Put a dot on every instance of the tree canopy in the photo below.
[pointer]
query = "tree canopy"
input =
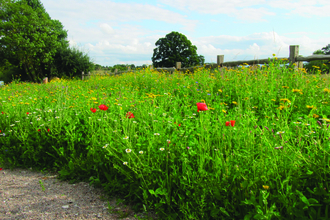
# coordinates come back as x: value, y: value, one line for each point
x: 40, y: 46
x: 28, y: 36
x: 175, y: 47
x: 319, y: 65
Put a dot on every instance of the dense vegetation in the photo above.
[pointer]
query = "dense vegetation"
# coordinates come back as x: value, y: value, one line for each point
x: 237, y: 144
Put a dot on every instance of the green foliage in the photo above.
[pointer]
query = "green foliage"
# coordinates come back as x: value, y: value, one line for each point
x: 98, y: 67
x: 10, y: 73
x: 34, y: 52
x: 321, y: 66
x: 196, y: 167
x: 70, y: 62
x: 30, y: 38
x: 119, y: 67
x: 175, y: 47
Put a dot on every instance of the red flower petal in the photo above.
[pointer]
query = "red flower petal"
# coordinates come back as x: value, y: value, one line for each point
x: 201, y: 107
x: 130, y: 115
x: 103, y: 107
x: 231, y: 123
x: 93, y: 110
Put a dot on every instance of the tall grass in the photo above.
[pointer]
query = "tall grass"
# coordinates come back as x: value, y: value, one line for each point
x: 210, y: 145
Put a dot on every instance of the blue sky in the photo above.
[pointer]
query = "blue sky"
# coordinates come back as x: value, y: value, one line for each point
x: 125, y: 32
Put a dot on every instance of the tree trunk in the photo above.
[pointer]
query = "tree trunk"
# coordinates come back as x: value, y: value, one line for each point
x: 27, y: 72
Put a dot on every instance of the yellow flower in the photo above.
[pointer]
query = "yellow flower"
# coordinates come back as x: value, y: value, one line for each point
x: 285, y: 100
x: 297, y: 90
x: 310, y: 107
x: 326, y: 90
x: 265, y: 187
x: 315, y: 116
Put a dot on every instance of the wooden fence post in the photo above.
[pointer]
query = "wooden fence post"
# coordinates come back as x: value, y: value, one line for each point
x: 151, y: 67
x: 116, y: 70
x: 82, y: 76
x: 220, y: 59
x: 294, y: 51
x: 178, y: 66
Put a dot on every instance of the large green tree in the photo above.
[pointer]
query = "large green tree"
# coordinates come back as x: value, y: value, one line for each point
x: 70, y: 62
x: 28, y: 36
x: 67, y: 62
x: 322, y: 65
x: 175, y: 47
x: 326, y: 49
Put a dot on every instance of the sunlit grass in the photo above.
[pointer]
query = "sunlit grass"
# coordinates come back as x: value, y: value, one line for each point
x: 238, y: 133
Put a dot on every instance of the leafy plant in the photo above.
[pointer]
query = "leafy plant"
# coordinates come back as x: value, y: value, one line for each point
x: 31, y: 42
x: 175, y: 47
x: 242, y: 144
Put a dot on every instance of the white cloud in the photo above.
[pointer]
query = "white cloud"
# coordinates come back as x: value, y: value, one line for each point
x: 250, y: 10
x: 115, y: 32
x: 264, y: 45
x: 72, y: 43
x: 322, y: 11
x: 106, y: 29
x: 305, y: 8
x: 240, y: 9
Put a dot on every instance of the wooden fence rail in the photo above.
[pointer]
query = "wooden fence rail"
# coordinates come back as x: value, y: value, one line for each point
x: 116, y: 72
x: 293, y: 58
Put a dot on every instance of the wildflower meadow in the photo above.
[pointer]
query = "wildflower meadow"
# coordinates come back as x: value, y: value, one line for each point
x: 213, y: 144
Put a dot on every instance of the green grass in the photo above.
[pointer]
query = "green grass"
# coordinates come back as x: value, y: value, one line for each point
x: 272, y: 164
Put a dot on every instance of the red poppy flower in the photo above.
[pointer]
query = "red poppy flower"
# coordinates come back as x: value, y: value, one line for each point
x: 130, y: 115
x: 232, y: 123
x: 93, y: 110
x: 103, y: 107
x: 201, y: 107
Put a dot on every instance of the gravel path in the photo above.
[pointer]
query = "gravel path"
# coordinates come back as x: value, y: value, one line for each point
x: 22, y: 197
